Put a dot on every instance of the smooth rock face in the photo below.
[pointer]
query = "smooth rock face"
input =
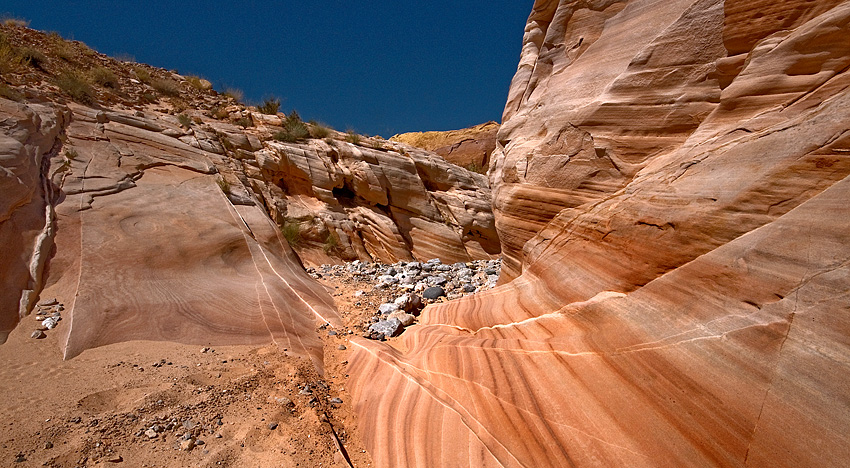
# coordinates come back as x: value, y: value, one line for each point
x: 147, y: 247
x: 672, y: 186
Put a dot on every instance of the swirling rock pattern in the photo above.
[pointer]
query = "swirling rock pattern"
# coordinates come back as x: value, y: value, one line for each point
x: 680, y: 253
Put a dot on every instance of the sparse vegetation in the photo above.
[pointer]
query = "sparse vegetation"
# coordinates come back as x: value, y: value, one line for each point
x: 291, y: 231
x: 104, y: 77
x: 293, y: 129
x: 184, y: 120
x: 197, y: 82
x: 244, y: 122
x: 352, y: 137
x: 9, y: 93
x: 330, y: 141
x: 10, y: 58
x: 219, y: 113
x: 269, y: 106
x: 71, y: 154
x: 125, y: 57
x: 166, y: 87
x: 143, y: 75
x: 331, y: 244
x: 16, y: 22
x: 60, y: 47
x: 149, y: 98
x: 235, y: 94
x: 474, y: 167
x: 319, y: 130
x: 76, y: 86
x: 223, y: 184
x: 33, y: 57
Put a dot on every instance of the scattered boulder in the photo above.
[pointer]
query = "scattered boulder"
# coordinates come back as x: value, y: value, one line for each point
x: 187, y: 445
x: 37, y: 334
x: 434, y: 292
x: 388, y: 328
x: 404, y: 318
x: 388, y: 308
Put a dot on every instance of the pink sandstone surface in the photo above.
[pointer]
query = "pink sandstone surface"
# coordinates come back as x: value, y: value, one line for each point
x: 670, y: 190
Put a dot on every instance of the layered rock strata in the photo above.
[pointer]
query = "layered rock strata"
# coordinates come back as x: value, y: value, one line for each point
x: 670, y: 190
x: 469, y: 147
x: 376, y: 201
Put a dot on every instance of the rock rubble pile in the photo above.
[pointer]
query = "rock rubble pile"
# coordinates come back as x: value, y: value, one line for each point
x: 49, y: 314
x: 410, y: 286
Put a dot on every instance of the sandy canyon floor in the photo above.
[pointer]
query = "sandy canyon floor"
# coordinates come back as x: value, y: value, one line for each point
x: 241, y: 406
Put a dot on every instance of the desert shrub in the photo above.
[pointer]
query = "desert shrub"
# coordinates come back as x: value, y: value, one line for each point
x: 269, y: 106
x: 223, y: 184
x: 76, y: 86
x: 71, y: 154
x: 9, y: 93
x: 104, y: 77
x: 219, y: 113
x: 330, y: 141
x: 197, y: 82
x: 244, y: 122
x: 149, y: 98
x: 124, y: 57
x: 291, y: 231
x: 331, y: 244
x: 318, y: 130
x: 352, y: 137
x: 293, y: 130
x: 60, y: 47
x: 10, y: 59
x: 87, y: 51
x: 143, y: 75
x: 184, y: 120
x: 15, y: 22
x: 167, y: 87
x: 474, y: 167
x: 33, y: 57
x: 234, y: 93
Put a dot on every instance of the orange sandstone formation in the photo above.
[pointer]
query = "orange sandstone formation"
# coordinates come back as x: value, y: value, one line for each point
x: 671, y: 194
x: 468, y: 147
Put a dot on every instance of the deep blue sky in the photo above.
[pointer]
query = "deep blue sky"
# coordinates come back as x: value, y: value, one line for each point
x: 379, y: 67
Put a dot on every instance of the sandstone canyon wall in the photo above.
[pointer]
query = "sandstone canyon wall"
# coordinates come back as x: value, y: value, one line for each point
x: 670, y: 189
x: 155, y: 209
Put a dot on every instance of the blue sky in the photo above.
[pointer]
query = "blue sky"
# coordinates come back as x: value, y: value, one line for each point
x: 380, y: 67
